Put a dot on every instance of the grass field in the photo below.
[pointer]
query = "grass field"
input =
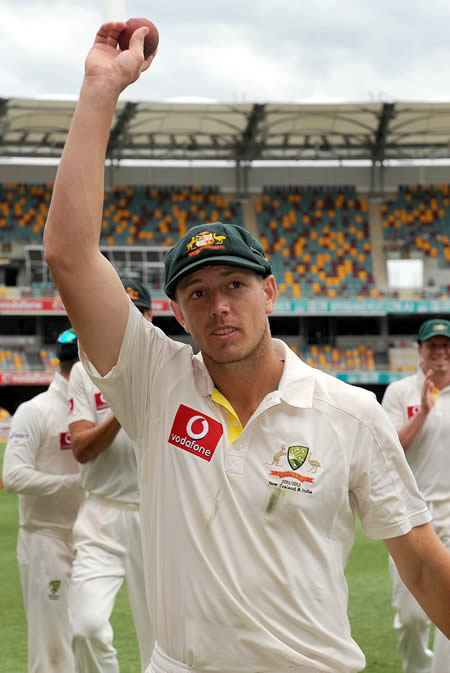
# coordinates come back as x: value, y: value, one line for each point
x: 369, y: 606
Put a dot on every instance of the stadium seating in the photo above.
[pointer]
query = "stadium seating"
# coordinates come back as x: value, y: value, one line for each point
x: 132, y: 215
x: 333, y: 359
x: 403, y: 358
x: 417, y: 224
x: 23, y: 211
x: 49, y: 360
x: 159, y: 216
x: 317, y: 237
x: 14, y: 360
x: 24, y: 360
x: 318, y: 241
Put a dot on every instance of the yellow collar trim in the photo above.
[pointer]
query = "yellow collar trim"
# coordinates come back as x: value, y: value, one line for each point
x: 234, y: 424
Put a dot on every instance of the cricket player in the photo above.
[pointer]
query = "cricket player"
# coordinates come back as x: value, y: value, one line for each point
x: 419, y: 407
x: 251, y: 464
x: 107, y: 532
x: 40, y: 467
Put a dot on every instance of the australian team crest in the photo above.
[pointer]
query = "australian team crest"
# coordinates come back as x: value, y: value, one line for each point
x: 297, y: 455
x: 206, y: 239
x: 53, y: 588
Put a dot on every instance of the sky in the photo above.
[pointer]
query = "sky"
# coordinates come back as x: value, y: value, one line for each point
x: 239, y: 51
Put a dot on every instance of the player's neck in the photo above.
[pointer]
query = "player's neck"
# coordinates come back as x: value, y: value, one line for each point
x: 441, y: 381
x: 245, y: 385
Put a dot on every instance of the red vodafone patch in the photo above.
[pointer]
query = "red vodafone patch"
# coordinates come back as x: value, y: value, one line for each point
x: 412, y: 411
x: 64, y: 441
x: 194, y: 432
x: 100, y: 402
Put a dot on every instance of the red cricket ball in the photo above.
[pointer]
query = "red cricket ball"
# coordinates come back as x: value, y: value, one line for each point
x: 151, y: 39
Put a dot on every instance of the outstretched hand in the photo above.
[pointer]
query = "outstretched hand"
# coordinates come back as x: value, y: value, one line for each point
x: 428, y: 397
x: 118, y: 68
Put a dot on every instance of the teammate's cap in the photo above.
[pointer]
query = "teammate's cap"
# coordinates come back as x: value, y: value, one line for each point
x: 435, y: 327
x: 214, y: 243
x: 138, y: 294
x: 67, y: 346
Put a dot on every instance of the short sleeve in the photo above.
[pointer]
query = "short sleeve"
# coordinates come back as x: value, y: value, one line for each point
x: 393, y: 405
x: 384, y: 490
x: 131, y: 384
x: 24, y: 439
x: 80, y: 403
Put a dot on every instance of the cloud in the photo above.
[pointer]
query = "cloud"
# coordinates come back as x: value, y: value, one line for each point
x: 43, y: 46
x: 231, y: 51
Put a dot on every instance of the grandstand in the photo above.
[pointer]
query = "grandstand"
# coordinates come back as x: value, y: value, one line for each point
x: 328, y: 230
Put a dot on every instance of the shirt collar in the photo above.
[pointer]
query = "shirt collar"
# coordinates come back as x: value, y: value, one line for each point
x: 203, y: 381
x: 60, y: 385
x: 296, y: 385
x: 297, y: 382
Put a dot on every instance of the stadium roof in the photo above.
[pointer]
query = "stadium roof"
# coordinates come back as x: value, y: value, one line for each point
x: 245, y: 132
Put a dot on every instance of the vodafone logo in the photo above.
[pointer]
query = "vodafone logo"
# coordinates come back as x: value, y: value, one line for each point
x: 70, y: 406
x: 196, y: 433
x: 204, y: 431
x: 64, y: 441
x: 100, y: 402
x: 412, y: 411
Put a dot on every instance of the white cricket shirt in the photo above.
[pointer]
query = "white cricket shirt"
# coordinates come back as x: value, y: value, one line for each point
x: 111, y: 474
x: 245, y: 543
x: 429, y: 454
x: 39, y: 464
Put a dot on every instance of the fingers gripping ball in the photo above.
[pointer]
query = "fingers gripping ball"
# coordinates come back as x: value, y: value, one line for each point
x: 151, y: 39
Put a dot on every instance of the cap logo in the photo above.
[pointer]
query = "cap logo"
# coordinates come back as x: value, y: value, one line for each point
x: 439, y: 328
x: 203, y: 241
x: 132, y: 293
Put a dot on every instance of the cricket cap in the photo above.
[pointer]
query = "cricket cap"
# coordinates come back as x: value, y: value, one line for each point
x: 67, y: 346
x: 138, y: 294
x: 215, y: 243
x: 435, y: 327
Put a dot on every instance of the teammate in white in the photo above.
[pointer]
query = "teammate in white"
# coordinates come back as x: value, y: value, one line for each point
x: 107, y: 532
x: 419, y: 407
x: 246, y: 529
x: 40, y: 467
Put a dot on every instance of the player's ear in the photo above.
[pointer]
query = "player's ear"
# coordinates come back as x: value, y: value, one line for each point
x: 178, y: 313
x: 270, y: 292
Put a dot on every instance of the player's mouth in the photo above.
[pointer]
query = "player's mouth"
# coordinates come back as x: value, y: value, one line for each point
x: 224, y: 332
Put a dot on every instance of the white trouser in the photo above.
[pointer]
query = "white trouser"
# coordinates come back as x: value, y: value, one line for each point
x: 107, y: 548
x: 441, y: 653
x: 441, y: 647
x: 162, y: 663
x: 45, y: 564
x: 412, y: 626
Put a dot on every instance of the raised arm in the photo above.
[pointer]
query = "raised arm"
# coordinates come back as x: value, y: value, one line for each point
x: 393, y: 403
x: 409, y: 432
x: 91, y: 291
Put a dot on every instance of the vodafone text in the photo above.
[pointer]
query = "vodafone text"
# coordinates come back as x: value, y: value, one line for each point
x: 190, y: 444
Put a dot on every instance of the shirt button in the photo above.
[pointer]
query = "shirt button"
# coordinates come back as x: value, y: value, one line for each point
x: 235, y: 423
